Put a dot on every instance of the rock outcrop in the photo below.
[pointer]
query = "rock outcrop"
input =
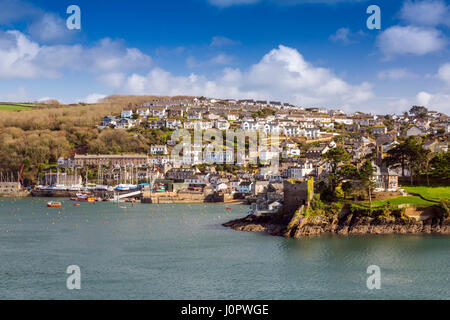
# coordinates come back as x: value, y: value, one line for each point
x: 342, y: 224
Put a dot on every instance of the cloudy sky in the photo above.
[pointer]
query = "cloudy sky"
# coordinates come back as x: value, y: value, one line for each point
x: 310, y: 53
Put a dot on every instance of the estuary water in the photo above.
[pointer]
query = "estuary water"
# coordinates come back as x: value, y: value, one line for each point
x: 181, y: 251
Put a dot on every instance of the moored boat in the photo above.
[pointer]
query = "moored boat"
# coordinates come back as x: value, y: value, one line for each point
x: 84, y: 197
x: 54, y: 204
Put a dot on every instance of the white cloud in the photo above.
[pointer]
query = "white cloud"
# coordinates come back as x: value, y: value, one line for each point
x: 424, y: 98
x: 50, y: 28
x: 113, y: 79
x: 17, y: 56
x: 341, y: 35
x: 92, y: 98
x: 444, y: 73
x: 395, y: 74
x: 433, y: 101
x: 21, y: 57
x: 427, y: 13
x: 399, y: 40
x: 345, y: 36
x: 283, y: 73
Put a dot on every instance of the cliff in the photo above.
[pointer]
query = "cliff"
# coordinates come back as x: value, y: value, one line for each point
x: 346, y: 222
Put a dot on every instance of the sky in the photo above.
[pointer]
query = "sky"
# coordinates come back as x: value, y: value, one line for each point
x: 309, y: 53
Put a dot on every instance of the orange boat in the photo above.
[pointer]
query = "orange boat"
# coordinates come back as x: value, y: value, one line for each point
x: 76, y: 204
x: 54, y: 204
x: 84, y: 197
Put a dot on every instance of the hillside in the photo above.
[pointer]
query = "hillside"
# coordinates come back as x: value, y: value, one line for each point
x: 38, y: 136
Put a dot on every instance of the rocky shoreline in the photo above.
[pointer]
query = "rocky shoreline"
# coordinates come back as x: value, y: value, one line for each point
x: 341, y: 224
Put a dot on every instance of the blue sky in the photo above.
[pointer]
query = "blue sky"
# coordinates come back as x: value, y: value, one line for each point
x: 310, y: 53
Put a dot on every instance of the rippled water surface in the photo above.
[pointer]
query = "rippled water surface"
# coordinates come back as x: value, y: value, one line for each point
x: 179, y: 251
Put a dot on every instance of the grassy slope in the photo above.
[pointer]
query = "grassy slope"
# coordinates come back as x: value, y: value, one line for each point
x: 15, y: 106
x: 403, y: 200
x: 430, y: 193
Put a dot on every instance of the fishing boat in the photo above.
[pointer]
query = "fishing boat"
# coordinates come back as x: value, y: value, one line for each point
x: 53, y: 204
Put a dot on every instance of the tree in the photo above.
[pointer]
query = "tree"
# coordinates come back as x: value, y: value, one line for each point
x: 441, y: 166
x: 348, y: 171
x: 418, y: 111
x: 366, y: 174
x: 406, y: 154
x: 336, y: 157
x: 348, y: 188
x: 425, y: 160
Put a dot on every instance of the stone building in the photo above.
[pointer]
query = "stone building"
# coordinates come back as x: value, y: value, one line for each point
x: 296, y: 195
x: 10, y: 187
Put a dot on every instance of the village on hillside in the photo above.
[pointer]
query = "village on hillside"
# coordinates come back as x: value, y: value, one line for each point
x: 330, y: 146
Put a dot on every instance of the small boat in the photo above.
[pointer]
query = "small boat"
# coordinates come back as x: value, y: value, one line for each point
x: 126, y: 187
x: 229, y: 208
x: 130, y: 200
x: 84, y: 197
x: 76, y: 205
x: 54, y: 204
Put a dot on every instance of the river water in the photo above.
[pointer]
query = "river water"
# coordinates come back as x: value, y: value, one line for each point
x: 180, y: 251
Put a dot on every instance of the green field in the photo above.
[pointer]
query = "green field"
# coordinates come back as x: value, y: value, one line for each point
x: 417, y: 201
x: 16, y: 106
x: 430, y: 193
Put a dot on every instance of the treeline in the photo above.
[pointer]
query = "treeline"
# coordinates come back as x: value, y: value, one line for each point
x: 422, y: 163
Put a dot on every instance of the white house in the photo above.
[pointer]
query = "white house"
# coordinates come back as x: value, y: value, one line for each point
x: 221, y: 186
x: 173, y: 124
x: 124, y: 124
x: 219, y: 157
x: 301, y: 171
x: 110, y: 120
x: 195, y: 180
x: 159, y: 112
x: 158, y: 149
x: 193, y: 115
x: 143, y: 112
x: 245, y: 187
x: 126, y: 114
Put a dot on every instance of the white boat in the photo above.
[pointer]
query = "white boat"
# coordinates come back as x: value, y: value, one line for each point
x: 75, y: 187
x: 126, y: 187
